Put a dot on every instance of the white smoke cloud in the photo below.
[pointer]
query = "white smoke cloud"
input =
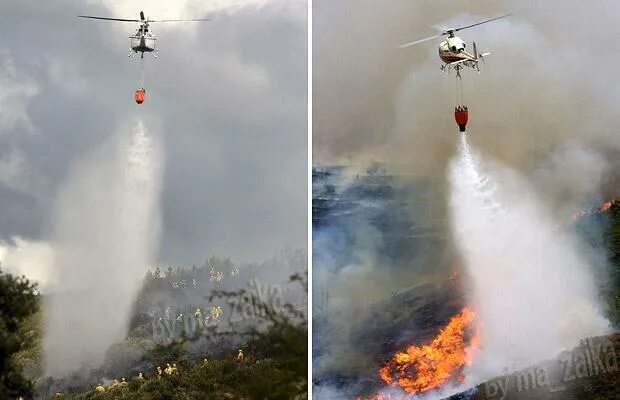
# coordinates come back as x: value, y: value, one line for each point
x: 105, y: 235
x: 532, y: 290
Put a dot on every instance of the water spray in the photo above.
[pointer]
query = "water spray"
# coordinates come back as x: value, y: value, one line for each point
x: 105, y: 234
x: 532, y: 290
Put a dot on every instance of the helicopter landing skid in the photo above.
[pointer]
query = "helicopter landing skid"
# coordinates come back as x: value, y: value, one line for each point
x: 153, y: 52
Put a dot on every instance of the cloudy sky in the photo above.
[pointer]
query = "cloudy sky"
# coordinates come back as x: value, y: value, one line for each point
x: 229, y: 96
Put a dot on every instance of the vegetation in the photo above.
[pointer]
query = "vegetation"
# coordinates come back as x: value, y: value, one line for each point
x: 18, y: 303
x: 270, y: 331
x: 612, y: 243
x: 274, y: 364
x: 601, y: 230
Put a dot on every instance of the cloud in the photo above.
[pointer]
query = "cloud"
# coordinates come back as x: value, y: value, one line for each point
x: 183, y: 9
x: 16, y: 91
x: 33, y: 259
x: 231, y: 95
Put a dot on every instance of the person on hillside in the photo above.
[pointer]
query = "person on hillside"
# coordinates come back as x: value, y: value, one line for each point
x: 114, y: 385
x: 168, y: 370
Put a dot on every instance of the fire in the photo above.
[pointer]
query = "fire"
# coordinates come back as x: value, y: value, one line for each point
x: 419, y: 369
x: 604, y: 208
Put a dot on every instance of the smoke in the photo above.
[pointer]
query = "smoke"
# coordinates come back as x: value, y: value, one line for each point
x: 531, y: 288
x: 541, y: 87
x: 105, y: 234
x: 543, y: 107
x: 369, y: 246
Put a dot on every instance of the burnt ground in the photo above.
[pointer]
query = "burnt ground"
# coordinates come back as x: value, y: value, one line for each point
x: 589, y: 372
x: 412, y: 317
x: 416, y: 314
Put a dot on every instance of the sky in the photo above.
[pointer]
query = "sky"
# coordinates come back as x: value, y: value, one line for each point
x: 230, y: 97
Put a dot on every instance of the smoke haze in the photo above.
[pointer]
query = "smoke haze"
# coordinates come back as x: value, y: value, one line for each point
x: 105, y: 234
x: 542, y: 85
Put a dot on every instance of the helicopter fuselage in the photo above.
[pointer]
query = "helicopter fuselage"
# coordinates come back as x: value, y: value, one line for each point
x: 141, y: 45
x: 453, y: 49
x: 143, y: 41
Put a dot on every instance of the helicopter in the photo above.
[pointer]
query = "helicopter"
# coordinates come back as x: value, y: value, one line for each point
x: 143, y: 41
x: 452, y: 50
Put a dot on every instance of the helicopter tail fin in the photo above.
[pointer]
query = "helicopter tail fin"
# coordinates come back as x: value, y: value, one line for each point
x: 477, y: 57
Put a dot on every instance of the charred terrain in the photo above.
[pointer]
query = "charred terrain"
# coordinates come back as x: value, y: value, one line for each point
x: 428, y: 301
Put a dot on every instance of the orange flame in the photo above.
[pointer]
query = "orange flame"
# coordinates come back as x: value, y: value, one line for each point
x: 604, y: 208
x: 419, y: 369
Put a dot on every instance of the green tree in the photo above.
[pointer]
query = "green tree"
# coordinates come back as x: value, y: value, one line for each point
x: 18, y: 302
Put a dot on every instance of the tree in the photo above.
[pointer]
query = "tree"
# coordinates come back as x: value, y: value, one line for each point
x: 18, y: 302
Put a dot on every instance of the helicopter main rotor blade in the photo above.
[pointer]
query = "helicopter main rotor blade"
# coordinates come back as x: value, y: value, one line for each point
x: 109, y: 19
x: 402, y: 46
x: 476, y: 24
x: 450, y: 32
x: 180, y: 20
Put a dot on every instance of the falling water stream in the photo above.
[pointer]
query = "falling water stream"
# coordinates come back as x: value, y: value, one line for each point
x: 105, y: 234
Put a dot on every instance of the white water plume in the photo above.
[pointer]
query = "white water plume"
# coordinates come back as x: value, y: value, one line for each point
x: 533, y: 292
x: 105, y: 232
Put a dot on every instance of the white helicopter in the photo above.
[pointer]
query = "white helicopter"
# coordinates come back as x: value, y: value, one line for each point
x: 452, y: 50
x: 143, y: 41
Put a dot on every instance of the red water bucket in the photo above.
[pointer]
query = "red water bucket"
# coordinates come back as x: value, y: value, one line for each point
x: 140, y: 93
x: 461, y: 117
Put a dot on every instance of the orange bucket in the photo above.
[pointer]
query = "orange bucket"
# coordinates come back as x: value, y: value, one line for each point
x: 461, y: 116
x: 140, y: 93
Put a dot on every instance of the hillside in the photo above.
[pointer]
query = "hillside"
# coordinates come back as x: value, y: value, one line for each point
x: 183, y: 316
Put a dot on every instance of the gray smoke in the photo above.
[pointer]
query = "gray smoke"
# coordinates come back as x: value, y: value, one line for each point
x: 373, y: 100
x: 105, y: 234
